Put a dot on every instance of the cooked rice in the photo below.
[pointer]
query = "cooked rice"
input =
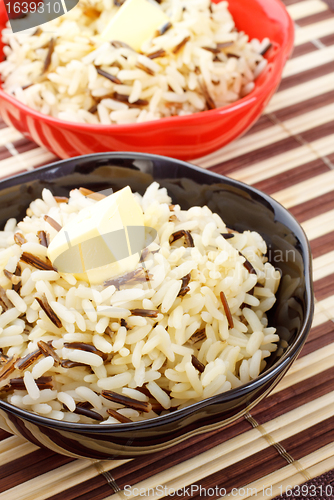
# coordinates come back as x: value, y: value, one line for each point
x: 144, y: 340
x: 216, y: 66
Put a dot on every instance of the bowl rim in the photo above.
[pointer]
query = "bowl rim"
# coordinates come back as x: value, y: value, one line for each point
x: 270, y: 374
x: 271, y: 78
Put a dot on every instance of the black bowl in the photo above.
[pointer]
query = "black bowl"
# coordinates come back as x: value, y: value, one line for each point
x: 241, y: 207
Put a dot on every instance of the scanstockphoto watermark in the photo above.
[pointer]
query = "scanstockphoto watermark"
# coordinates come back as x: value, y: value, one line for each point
x: 186, y: 491
x: 196, y: 490
x: 305, y: 490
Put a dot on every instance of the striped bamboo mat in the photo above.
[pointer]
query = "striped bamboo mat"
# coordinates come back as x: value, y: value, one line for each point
x: 288, y: 438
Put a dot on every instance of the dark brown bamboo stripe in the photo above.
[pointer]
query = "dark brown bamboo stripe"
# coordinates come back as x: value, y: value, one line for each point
x: 237, y: 475
x: 162, y: 460
x: 4, y: 434
x: 327, y: 40
x: 322, y: 245
x: 317, y: 484
x: 290, y: 2
x: 301, y: 445
x: 287, y: 400
x: 299, y: 108
x: 295, y: 175
x: 318, y: 132
x: 29, y: 466
x: 262, y: 124
x: 319, y: 337
x: 261, y: 154
x: 315, y: 18
x: 330, y: 4
x: 306, y: 76
x: 312, y: 208
x: 323, y: 288
x: 23, y: 145
x: 4, y: 153
x: 313, y: 346
x: 302, y: 49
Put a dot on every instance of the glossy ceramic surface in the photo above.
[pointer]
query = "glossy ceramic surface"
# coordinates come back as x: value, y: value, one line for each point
x: 185, y: 137
x: 241, y: 207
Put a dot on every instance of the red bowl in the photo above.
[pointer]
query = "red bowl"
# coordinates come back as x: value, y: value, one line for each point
x: 184, y: 137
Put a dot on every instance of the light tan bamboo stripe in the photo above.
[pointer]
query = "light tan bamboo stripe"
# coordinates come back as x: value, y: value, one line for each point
x: 57, y: 480
x: 302, y: 92
x: 275, y: 133
x: 306, y: 8
x: 317, y: 117
x: 286, y: 161
x: 323, y: 266
x: 237, y: 448
x: 9, y: 443
x: 308, y: 61
x: 25, y: 161
x: 306, y: 190
x: 323, y: 311
x: 317, y: 463
x: 246, y: 144
x: 9, y: 134
x: 14, y: 447
x: 314, y: 31
x: 319, y: 364
x: 313, y: 357
x: 319, y: 225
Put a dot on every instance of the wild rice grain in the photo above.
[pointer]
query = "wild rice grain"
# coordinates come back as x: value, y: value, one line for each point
x: 48, y: 350
x: 28, y: 360
x: 118, y: 416
x: 126, y: 401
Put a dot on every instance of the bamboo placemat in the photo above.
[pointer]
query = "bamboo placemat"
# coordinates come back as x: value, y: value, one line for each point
x: 288, y: 439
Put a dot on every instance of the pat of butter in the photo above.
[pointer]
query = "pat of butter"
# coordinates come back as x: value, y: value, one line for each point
x: 135, y: 23
x: 102, y: 241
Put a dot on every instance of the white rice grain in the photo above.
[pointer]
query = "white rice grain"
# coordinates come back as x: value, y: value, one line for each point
x: 31, y: 386
x: 42, y: 366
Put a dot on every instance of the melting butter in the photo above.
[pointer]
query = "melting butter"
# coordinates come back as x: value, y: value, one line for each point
x: 135, y: 23
x: 102, y: 241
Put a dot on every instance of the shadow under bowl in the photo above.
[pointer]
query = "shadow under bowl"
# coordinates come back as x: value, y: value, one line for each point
x: 241, y: 207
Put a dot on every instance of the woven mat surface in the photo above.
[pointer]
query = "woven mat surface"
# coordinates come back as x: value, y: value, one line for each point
x: 284, y: 449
